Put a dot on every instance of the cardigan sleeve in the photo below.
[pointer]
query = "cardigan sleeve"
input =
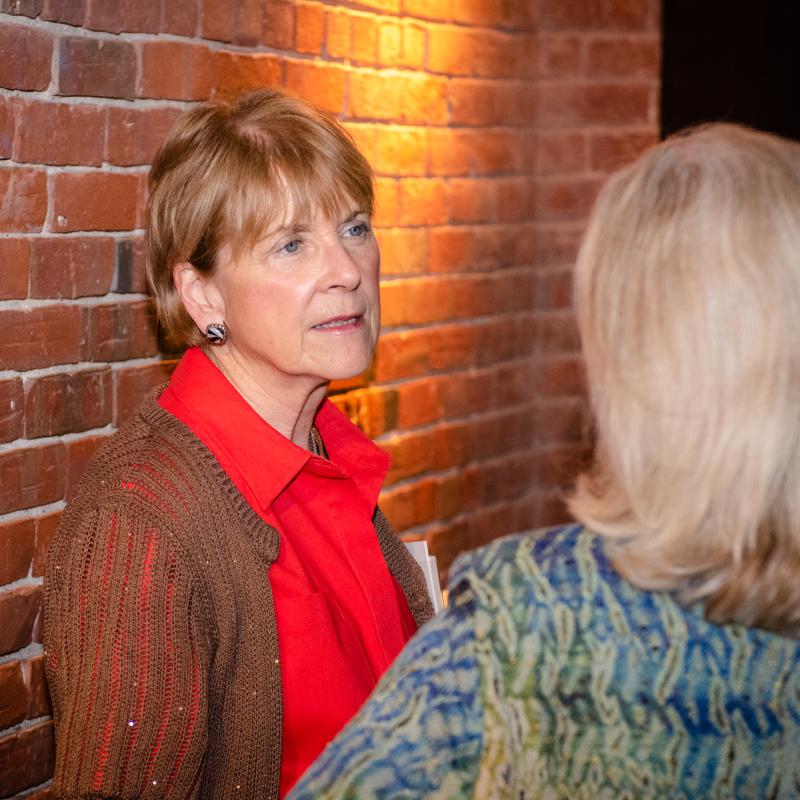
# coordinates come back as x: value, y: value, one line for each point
x: 127, y: 659
x: 420, y: 734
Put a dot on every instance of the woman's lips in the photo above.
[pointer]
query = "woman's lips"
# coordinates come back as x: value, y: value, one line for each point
x: 340, y: 323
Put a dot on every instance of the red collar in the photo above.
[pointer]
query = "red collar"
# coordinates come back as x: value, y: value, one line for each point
x: 267, y: 460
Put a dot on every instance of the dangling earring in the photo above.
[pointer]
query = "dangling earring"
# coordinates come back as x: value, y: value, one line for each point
x: 216, y: 333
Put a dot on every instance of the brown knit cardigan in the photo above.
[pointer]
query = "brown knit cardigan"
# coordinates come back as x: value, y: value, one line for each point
x: 159, y: 628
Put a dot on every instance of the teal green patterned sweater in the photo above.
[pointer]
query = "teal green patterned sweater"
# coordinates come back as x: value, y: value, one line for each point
x: 550, y: 676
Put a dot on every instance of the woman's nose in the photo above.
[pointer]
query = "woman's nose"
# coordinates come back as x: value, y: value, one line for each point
x: 341, y: 270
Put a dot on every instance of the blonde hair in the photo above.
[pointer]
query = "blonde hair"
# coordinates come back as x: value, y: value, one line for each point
x: 688, y: 302
x: 228, y: 172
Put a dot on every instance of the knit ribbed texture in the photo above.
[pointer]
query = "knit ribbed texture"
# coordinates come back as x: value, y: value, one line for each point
x: 550, y: 677
x: 160, y: 638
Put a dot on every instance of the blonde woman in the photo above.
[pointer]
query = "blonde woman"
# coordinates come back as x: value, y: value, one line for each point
x: 651, y: 650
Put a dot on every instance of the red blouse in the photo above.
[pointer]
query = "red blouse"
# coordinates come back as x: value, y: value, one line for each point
x: 341, y: 616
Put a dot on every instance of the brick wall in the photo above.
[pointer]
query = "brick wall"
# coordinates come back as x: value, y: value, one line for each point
x: 489, y: 124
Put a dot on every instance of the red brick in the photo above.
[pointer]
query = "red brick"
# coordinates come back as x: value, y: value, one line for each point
x: 323, y: 84
x: 557, y: 243
x: 123, y: 15
x: 403, y: 251
x: 560, y: 376
x: 418, y: 301
x: 373, y: 409
x: 27, y: 54
x: 441, y: 10
x: 578, y: 104
x: 413, y: 45
x: 497, y: 55
x: 118, y: 332
x: 70, y: 12
x: 495, y: 247
x: 555, y: 333
x: 13, y: 695
x: 418, y: 404
x: 67, y: 403
x: 565, y: 198
x: 452, y: 346
x: 597, y: 14
x: 402, y: 355
x: 27, y: 757
x: 8, y: 120
x: 450, y: 249
x: 516, y: 103
x: 45, y: 530
x: 624, y: 57
x: 60, y: 133
x: 129, y: 274
x: 249, y: 23
x: 36, y: 686
x: 11, y: 409
x: 235, y: 73
x: 94, y: 201
x: 175, y: 71
x: 472, y: 102
x: 612, y: 150
x: 179, y: 17
x: 390, y: 43
x: 337, y: 27
x: 410, y: 505
x: 309, y: 28
x: 24, y: 199
x: 462, y: 394
x: 39, y: 337
x: 79, y: 453
x: 495, y: 341
x: 387, y: 202
x: 451, y: 151
x: 18, y: 609
x: 399, y: 97
x: 96, y: 67
x: 561, y: 420
x: 557, y: 466
x: 14, y: 257
x: 498, y: 151
x: 134, y: 134
x: 279, y: 24
x: 133, y: 384
x: 561, y: 152
x: 423, y: 201
x: 560, y: 55
x: 515, y: 199
x: 23, y: 8
x: 17, y: 549
x: 71, y: 267
x: 217, y: 20
x: 472, y: 200
x: 31, y: 477
x: 364, y: 39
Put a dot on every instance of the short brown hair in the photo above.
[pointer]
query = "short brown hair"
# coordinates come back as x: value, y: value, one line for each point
x: 688, y: 303
x: 228, y: 172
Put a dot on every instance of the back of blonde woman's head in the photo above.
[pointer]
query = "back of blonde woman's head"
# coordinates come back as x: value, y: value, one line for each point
x: 688, y: 303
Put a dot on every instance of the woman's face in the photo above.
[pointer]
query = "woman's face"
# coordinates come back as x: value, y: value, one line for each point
x: 303, y: 306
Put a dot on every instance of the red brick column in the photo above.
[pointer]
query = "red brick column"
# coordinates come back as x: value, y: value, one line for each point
x: 490, y: 125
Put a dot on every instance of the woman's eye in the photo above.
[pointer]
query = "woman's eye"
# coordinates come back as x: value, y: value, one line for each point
x: 291, y: 247
x: 359, y: 229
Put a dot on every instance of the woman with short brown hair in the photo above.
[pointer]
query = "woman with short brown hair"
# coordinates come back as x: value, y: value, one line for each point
x: 223, y: 592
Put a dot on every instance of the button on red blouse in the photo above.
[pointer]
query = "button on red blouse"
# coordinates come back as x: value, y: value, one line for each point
x: 341, y: 616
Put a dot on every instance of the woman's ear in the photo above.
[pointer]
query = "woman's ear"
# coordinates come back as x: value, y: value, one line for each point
x: 199, y: 295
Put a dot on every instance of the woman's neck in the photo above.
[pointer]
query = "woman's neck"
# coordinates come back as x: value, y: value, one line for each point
x: 288, y: 403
